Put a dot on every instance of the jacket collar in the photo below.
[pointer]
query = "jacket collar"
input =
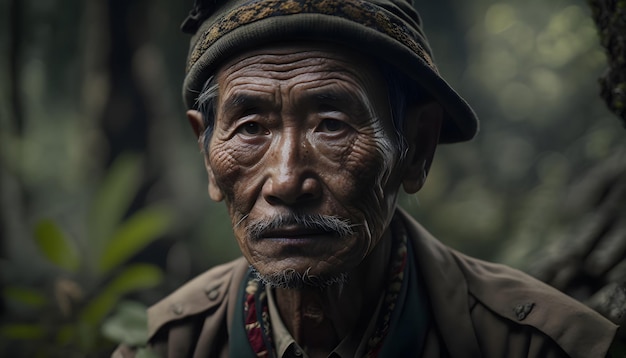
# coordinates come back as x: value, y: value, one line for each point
x: 203, y: 293
x: 446, y: 288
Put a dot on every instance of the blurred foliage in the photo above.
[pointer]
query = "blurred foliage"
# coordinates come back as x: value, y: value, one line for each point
x: 89, y: 274
x: 529, y: 69
x: 75, y: 96
x: 128, y: 324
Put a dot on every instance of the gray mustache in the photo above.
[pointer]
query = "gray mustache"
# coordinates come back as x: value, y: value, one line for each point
x: 339, y: 226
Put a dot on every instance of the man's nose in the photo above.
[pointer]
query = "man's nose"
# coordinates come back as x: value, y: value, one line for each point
x: 292, y: 180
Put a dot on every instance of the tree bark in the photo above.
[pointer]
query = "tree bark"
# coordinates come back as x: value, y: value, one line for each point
x: 610, y: 18
x: 12, y: 199
x: 590, y: 264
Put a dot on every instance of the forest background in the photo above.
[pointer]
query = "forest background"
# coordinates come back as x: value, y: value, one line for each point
x: 102, y: 187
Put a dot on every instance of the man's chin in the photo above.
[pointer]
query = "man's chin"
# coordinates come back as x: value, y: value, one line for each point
x: 292, y: 279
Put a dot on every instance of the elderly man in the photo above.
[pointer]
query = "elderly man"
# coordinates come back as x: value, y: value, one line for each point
x: 312, y: 115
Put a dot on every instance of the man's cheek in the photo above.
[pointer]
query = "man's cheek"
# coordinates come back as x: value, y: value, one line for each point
x: 366, y: 187
x: 365, y: 159
x: 225, y: 166
x: 365, y: 184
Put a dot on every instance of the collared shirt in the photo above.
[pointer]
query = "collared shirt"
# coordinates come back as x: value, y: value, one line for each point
x: 353, y: 345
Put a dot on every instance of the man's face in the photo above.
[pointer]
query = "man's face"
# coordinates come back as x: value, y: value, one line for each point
x: 303, y: 152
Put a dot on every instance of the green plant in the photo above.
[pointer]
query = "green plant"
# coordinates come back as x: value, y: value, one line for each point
x: 92, y: 274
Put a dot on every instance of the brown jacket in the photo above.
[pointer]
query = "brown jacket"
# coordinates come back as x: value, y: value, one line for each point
x: 478, y: 309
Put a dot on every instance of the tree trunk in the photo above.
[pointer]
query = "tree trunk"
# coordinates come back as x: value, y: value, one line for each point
x: 590, y: 264
x: 610, y: 18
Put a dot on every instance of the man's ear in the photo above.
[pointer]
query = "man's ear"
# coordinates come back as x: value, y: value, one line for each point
x: 215, y: 193
x: 197, y: 124
x: 421, y: 129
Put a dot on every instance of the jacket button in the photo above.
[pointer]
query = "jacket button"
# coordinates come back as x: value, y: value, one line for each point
x: 213, y: 294
x: 177, y: 308
x: 523, y: 310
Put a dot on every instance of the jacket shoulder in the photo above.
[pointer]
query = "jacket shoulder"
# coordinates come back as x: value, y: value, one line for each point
x: 201, y: 294
x: 500, y: 303
x: 523, y: 300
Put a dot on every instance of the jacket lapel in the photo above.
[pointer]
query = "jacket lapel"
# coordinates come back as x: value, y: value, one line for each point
x: 447, y: 292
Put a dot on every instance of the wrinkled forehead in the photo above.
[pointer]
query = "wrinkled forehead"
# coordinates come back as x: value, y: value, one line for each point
x: 301, y: 62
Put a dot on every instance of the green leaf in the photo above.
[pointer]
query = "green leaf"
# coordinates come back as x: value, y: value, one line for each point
x: 55, y: 246
x: 65, y: 334
x: 87, y: 336
x: 24, y: 331
x: 135, y: 234
x: 25, y: 296
x: 129, y: 324
x: 113, y: 199
x: 146, y: 353
x: 134, y: 278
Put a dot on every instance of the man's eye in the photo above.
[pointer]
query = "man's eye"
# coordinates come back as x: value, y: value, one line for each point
x: 251, y: 128
x: 331, y: 125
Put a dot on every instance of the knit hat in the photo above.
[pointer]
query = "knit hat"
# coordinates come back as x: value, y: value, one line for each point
x: 388, y: 30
